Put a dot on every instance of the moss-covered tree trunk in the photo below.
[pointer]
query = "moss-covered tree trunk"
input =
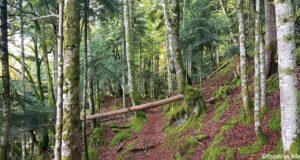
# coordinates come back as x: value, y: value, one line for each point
x: 59, y: 81
x: 38, y: 70
x: 172, y: 25
x: 4, y: 143
x: 243, y: 58
x: 285, y: 26
x: 71, y: 134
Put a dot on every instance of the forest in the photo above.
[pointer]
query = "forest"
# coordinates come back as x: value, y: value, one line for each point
x: 149, y: 79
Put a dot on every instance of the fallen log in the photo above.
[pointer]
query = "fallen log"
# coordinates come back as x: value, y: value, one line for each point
x: 137, y: 108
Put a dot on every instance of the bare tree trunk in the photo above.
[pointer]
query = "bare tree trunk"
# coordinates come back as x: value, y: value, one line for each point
x: 5, y: 145
x: 71, y: 144
x: 60, y: 81
x: 287, y: 75
x: 138, y: 107
x: 243, y: 58
x: 257, y: 68
x: 130, y: 54
x: 270, y: 38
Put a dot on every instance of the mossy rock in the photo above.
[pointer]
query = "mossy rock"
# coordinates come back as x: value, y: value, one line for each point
x: 194, y: 100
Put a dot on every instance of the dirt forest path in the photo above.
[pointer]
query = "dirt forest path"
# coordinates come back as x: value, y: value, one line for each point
x: 148, y: 143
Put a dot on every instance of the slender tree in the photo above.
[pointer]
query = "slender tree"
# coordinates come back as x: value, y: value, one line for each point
x: 285, y: 26
x: 243, y: 58
x: 129, y: 54
x: 5, y: 143
x: 270, y: 38
x: 71, y: 134
x: 257, y: 75
x: 60, y: 80
x: 86, y: 79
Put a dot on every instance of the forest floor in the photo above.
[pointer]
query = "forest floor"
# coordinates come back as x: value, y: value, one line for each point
x: 229, y: 139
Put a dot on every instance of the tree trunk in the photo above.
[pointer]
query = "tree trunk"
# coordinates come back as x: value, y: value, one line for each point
x: 287, y: 75
x: 257, y: 68
x: 51, y: 95
x: 86, y: 79
x: 59, y: 81
x: 270, y: 38
x: 243, y: 58
x: 263, y: 96
x: 5, y: 145
x: 138, y: 107
x: 71, y: 134
x: 130, y: 55
x: 38, y: 70
x: 172, y: 25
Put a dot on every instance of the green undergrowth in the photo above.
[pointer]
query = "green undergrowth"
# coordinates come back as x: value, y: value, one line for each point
x: 220, y: 108
x: 136, y: 125
x: 183, y: 143
x: 272, y: 83
x: 274, y: 121
x: 217, y: 150
x: 255, y: 147
x: 225, y: 90
x: 95, y: 140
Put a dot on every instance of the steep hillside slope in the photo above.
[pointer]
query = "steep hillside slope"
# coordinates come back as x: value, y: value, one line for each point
x: 219, y: 133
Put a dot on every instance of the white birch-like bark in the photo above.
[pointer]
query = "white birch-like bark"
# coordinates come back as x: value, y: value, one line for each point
x: 243, y: 57
x: 129, y: 53
x: 59, y: 81
x: 285, y: 27
x: 263, y: 96
x: 257, y: 68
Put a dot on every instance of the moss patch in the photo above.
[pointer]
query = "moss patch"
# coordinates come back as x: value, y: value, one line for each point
x: 216, y: 150
x: 220, y: 108
x: 255, y: 147
x: 136, y: 124
x: 274, y: 122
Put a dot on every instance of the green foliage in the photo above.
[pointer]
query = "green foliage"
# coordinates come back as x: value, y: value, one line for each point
x: 274, y: 122
x: 220, y: 109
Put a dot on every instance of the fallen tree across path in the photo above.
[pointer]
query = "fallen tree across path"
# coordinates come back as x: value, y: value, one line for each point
x: 138, y: 107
